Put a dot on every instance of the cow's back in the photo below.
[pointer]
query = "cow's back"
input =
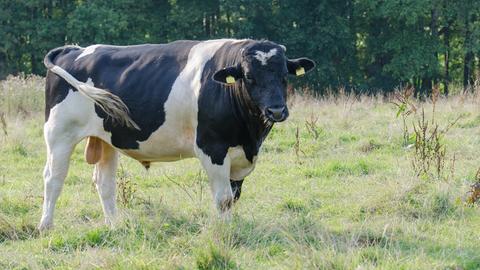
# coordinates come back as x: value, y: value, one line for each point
x: 141, y: 75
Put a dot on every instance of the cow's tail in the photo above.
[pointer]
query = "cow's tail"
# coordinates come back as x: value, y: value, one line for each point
x: 108, y: 102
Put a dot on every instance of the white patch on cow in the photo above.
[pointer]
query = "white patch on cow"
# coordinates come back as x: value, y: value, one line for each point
x: 88, y: 50
x: 198, y: 57
x: 89, y: 81
x: 175, y: 138
x: 240, y: 165
x: 219, y: 177
x: 234, y: 41
x: 264, y: 56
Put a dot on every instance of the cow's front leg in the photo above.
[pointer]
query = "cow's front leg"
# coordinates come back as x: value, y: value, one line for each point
x: 219, y: 176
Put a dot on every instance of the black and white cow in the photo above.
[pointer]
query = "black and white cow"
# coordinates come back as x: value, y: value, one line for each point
x: 215, y: 100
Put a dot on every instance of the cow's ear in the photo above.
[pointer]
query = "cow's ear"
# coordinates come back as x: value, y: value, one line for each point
x: 299, y: 66
x: 228, y: 75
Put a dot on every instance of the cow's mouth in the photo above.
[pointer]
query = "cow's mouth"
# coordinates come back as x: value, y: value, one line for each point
x: 276, y: 113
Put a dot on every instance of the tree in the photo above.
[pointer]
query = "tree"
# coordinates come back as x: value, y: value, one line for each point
x: 360, y: 45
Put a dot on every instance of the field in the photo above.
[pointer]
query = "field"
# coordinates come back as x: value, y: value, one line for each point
x: 340, y: 194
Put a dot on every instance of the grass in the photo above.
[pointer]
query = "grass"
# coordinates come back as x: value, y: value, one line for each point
x: 347, y: 198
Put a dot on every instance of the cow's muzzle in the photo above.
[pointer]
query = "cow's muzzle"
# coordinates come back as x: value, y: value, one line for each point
x: 276, y: 113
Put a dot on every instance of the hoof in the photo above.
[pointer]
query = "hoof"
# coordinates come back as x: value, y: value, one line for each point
x: 44, y: 226
x: 225, y: 204
x: 111, y: 221
x: 226, y: 216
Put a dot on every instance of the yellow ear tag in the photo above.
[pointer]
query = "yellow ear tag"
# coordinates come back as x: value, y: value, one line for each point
x: 300, y: 71
x: 230, y: 79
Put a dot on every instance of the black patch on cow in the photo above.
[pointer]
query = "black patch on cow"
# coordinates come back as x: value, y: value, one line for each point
x: 236, y: 189
x: 226, y: 115
x: 142, y: 76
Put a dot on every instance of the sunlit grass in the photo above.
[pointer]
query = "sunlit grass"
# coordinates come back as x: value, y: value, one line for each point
x: 346, y: 198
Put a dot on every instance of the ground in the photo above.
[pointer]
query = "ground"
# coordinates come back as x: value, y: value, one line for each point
x: 343, y: 195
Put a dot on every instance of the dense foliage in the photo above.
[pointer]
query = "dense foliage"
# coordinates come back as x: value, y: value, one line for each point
x: 357, y: 44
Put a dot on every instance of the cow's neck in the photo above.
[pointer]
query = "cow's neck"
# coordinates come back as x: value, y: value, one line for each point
x: 248, y: 113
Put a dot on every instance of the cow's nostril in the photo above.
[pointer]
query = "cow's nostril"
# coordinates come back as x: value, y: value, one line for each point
x: 276, y: 112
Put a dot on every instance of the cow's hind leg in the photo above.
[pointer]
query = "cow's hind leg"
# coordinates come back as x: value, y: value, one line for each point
x: 59, y: 150
x: 104, y: 178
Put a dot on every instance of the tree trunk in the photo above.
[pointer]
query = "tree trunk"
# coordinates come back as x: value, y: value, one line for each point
x: 477, y: 74
x: 35, y: 67
x: 467, y: 70
x: 3, y: 66
x: 468, y: 56
x: 434, y: 29
x: 228, y: 26
x: 446, y: 79
x: 446, y: 32
x: 417, y: 87
x: 206, y: 18
x: 426, y: 88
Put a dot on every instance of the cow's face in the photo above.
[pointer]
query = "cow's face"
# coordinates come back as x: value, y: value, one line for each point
x: 263, y: 71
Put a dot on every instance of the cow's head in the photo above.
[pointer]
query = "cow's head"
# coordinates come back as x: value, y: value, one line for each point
x: 263, y: 71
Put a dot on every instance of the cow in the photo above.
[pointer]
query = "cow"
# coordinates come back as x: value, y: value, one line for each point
x: 215, y: 100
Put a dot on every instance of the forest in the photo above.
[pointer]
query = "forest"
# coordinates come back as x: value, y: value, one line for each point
x: 361, y: 46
